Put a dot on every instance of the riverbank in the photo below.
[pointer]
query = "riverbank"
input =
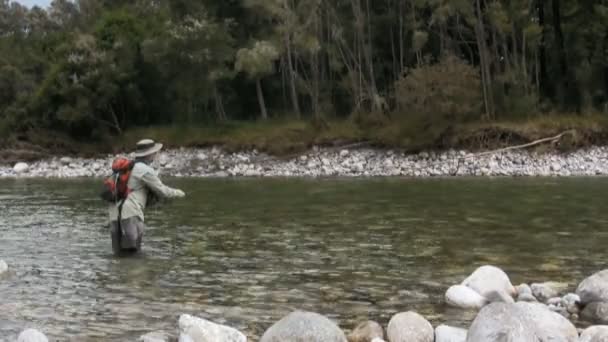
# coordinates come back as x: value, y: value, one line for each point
x: 335, y: 162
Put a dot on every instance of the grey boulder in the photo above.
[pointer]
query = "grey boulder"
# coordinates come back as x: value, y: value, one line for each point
x: 521, y: 322
x: 596, y: 312
x: 594, y: 288
x: 304, y: 326
x: 598, y: 333
x: 409, y: 327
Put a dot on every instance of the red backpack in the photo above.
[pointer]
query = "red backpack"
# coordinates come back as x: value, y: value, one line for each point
x: 115, y: 187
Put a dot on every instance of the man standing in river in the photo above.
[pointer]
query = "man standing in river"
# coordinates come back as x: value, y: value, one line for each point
x: 127, y: 216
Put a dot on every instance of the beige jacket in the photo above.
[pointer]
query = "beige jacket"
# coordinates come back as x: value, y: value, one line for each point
x: 142, y: 181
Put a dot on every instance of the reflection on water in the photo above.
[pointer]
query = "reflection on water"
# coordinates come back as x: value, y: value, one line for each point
x: 246, y: 252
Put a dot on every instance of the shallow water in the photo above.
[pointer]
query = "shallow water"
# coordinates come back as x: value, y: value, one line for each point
x: 246, y: 252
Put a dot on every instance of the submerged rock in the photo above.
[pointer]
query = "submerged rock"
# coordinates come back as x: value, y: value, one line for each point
x: 32, y: 335
x: 409, y: 327
x: 202, y: 330
x: 304, y: 326
x: 366, y: 332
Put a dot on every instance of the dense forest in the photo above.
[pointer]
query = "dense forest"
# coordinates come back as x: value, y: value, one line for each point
x: 90, y: 68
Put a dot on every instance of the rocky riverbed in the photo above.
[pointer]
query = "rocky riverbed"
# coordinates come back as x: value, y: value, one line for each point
x: 523, y: 313
x: 320, y: 162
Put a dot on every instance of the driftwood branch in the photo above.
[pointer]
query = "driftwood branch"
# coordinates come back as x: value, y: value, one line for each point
x: 517, y: 147
x: 510, y: 148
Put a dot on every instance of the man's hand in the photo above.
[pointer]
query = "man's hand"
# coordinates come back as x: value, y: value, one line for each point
x: 179, y: 194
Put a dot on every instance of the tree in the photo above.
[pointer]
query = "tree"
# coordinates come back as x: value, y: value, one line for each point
x: 257, y: 62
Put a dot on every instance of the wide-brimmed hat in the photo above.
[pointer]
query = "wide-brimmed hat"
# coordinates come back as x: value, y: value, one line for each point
x: 146, y: 147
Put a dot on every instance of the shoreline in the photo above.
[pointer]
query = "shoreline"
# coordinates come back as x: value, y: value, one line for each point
x: 332, y: 162
x: 529, y: 311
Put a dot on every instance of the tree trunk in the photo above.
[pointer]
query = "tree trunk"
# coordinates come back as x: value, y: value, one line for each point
x: 542, y: 78
x: 370, y: 61
x: 401, y: 48
x: 561, y: 51
x: 219, y: 104
x: 258, y: 88
x: 292, y: 78
x: 484, y: 62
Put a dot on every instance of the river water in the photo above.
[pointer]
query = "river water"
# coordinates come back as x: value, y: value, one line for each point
x: 246, y: 252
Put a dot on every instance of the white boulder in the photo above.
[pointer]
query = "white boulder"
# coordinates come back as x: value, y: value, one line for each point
x: 487, y: 279
x: 444, y: 333
x: 31, y: 335
x: 464, y: 297
x: 21, y: 167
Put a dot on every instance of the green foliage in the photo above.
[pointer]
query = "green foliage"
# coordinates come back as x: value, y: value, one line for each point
x: 257, y: 61
x: 446, y: 90
x: 91, y: 67
x: 434, y: 97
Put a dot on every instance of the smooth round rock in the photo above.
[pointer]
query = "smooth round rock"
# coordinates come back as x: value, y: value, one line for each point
x: 597, y: 333
x: 444, y: 333
x: 20, y: 167
x: 366, y: 332
x: 486, y: 279
x: 409, y: 327
x: 464, y: 297
x: 499, y: 322
x: 304, y: 326
x: 594, y: 288
x: 202, y: 330
x: 32, y: 335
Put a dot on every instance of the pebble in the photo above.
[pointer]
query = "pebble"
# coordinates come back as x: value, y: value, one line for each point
x: 323, y: 162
